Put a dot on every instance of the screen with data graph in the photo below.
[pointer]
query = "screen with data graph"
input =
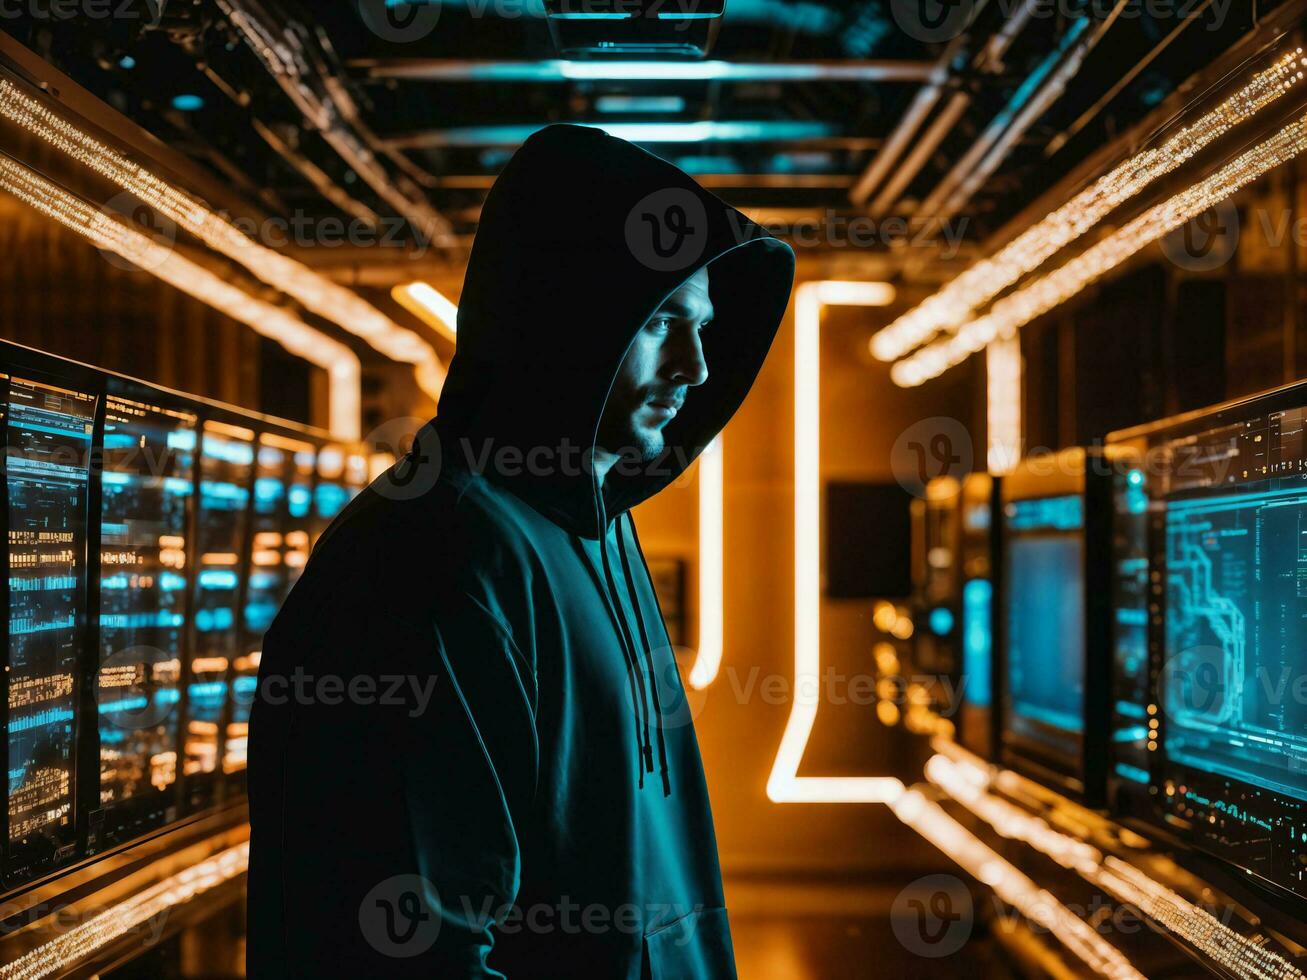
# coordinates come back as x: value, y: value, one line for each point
x: 1229, y: 636
x: 1236, y: 634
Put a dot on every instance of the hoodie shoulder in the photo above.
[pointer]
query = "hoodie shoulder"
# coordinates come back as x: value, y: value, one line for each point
x: 411, y: 551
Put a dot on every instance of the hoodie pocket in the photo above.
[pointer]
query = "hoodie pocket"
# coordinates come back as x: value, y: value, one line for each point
x: 696, y: 946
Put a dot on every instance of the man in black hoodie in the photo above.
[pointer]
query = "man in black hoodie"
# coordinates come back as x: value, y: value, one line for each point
x: 462, y: 698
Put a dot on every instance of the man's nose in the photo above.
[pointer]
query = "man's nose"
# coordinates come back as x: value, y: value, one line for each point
x: 687, y: 364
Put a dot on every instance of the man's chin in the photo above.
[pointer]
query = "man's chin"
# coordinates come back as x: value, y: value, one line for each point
x: 647, y: 444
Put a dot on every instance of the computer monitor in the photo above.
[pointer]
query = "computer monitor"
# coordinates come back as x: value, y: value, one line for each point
x: 937, y: 530
x: 49, y: 432
x: 342, y: 474
x: 226, y: 470
x: 146, y: 497
x: 1227, y: 630
x: 1051, y: 620
x: 144, y: 564
x: 279, y: 547
x: 1133, y: 712
x: 952, y: 601
x: 975, y: 633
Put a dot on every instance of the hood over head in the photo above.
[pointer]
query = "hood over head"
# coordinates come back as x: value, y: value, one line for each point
x: 581, y: 239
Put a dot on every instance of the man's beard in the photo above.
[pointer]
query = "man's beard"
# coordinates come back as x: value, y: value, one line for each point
x: 633, y: 443
x: 647, y: 445
x: 622, y: 436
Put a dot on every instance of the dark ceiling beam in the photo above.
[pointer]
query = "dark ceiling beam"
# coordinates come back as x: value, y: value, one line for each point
x: 461, y: 70
x: 297, y: 59
x: 740, y: 181
x: 939, y: 79
x: 315, y: 175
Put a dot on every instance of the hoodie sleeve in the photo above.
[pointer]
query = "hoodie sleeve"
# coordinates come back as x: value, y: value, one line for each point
x: 469, y: 770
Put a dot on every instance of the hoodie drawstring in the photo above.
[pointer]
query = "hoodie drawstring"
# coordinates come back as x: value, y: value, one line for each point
x: 648, y: 650
x: 635, y: 672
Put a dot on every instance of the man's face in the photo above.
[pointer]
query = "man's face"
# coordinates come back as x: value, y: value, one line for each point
x: 663, y: 362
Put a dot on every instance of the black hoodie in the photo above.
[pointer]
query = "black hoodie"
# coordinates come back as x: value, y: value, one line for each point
x: 529, y: 800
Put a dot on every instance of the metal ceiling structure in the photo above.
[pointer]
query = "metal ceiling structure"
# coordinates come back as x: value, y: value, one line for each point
x: 398, y: 116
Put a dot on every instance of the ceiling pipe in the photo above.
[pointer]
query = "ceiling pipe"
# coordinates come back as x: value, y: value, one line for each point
x: 315, y: 175
x: 301, y: 164
x: 920, y: 107
x: 990, y: 59
x: 784, y: 181
x: 911, y: 164
x: 966, y: 163
x: 290, y: 58
x: 1079, y: 41
x: 907, y: 127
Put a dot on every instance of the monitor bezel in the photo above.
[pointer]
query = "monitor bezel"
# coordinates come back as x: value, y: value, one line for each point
x: 1087, y: 473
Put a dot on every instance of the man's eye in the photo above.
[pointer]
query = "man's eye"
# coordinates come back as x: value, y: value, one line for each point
x: 660, y: 323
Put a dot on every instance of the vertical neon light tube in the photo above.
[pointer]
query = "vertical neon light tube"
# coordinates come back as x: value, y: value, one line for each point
x: 711, y: 566
x: 784, y: 784
x: 1003, y: 404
